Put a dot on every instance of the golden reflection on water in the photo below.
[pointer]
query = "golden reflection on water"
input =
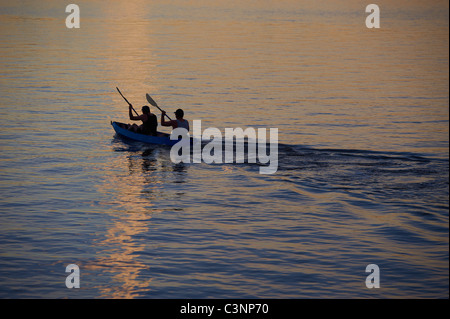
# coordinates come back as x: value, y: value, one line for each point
x: 119, y: 250
x: 134, y: 189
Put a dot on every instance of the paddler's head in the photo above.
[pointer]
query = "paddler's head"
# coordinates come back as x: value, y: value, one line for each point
x: 179, y: 113
x: 145, y: 109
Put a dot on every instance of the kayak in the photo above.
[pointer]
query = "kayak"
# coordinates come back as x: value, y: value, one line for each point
x: 161, y: 139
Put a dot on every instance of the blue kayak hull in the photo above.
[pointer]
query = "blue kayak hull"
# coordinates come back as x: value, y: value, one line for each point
x: 161, y: 139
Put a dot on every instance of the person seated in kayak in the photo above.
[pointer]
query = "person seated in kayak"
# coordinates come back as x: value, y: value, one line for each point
x: 149, y: 122
x: 179, y: 122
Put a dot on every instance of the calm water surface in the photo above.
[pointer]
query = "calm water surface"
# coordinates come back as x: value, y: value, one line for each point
x: 363, y: 171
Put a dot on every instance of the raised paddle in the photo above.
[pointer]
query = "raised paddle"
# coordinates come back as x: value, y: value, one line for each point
x: 127, y: 101
x: 152, y: 102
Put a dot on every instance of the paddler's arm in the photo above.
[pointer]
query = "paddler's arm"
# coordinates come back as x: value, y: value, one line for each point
x: 132, y: 117
x: 163, y: 121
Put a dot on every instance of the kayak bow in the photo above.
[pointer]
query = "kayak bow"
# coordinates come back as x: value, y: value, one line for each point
x: 161, y: 139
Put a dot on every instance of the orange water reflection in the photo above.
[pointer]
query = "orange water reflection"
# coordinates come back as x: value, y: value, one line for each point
x: 134, y: 189
x: 119, y: 250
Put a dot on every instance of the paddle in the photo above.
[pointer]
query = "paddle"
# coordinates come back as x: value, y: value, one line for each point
x: 127, y: 101
x: 152, y: 102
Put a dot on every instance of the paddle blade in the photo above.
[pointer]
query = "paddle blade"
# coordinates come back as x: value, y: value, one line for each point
x: 150, y: 100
